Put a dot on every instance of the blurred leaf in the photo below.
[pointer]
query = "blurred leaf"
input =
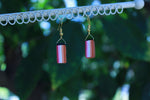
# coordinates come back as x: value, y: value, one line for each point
x: 106, y: 88
x: 17, y: 34
x: 120, y: 78
x: 70, y: 89
x: 10, y: 6
x: 29, y: 72
x: 128, y: 35
x: 146, y: 91
x: 75, y: 46
x: 140, y: 83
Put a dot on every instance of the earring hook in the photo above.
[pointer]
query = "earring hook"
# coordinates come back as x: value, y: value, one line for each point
x: 89, y: 28
x: 61, y: 32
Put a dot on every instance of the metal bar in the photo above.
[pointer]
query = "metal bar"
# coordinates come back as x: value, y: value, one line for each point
x: 60, y: 11
x: 69, y: 13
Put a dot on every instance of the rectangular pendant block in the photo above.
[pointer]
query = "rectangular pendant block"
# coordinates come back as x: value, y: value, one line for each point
x: 89, y: 49
x: 61, y: 54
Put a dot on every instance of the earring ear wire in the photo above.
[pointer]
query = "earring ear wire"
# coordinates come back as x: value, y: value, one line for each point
x: 89, y: 29
x: 61, y: 33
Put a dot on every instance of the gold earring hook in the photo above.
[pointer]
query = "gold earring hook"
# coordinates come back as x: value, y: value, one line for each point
x: 89, y: 28
x: 61, y: 32
x: 60, y: 29
x: 89, y: 25
x: 88, y: 19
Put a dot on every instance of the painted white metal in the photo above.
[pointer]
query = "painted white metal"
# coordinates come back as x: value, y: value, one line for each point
x: 139, y: 4
x: 69, y: 13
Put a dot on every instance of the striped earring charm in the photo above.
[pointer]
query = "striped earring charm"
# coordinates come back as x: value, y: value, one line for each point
x: 61, y: 49
x: 89, y: 44
x: 89, y: 49
x: 61, y: 54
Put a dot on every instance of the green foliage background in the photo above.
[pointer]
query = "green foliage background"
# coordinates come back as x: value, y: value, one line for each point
x: 120, y: 38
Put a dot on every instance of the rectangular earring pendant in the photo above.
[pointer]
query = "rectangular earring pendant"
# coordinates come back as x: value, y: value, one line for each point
x: 61, y: 54
x: 89, y: 49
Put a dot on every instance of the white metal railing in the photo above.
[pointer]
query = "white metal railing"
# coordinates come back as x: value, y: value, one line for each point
x: 69, y: 13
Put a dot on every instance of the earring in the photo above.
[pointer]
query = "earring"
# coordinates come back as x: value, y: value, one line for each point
x: 89, y: 43
x: 61, y: 48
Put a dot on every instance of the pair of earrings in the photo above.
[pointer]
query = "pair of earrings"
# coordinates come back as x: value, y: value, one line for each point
x: 89, y: 46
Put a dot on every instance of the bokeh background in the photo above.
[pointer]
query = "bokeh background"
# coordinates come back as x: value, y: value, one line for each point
x: 120, y: 71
